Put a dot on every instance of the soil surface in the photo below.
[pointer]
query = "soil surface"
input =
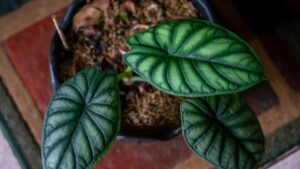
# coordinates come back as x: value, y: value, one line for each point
x: 99, y: 37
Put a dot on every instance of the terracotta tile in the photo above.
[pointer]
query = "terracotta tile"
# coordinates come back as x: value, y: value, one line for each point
x: 29, y: 52
x: 194, y: 162
x: 7, y: 158
x: 132, y: 154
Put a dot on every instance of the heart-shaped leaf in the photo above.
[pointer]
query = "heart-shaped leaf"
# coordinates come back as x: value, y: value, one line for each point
x: 82, y: 121
x: 189, y: 57
x: 223, y: 130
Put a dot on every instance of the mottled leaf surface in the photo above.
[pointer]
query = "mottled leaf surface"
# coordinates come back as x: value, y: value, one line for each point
x: 82, y: 120
x: 189, y: 57
x: 223, y: 130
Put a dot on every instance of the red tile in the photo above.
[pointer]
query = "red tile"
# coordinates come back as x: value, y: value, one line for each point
x: 132, y: 154
x: 29, y: 53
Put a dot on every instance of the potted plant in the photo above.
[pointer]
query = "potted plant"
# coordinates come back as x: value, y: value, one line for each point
x: 59, y: 56
x: 200, y: 64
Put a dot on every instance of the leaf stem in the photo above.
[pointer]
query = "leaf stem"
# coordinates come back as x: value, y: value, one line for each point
x: 135, y: 79
x: 126, y: 73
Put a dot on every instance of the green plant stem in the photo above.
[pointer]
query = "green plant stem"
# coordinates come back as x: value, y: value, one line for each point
x: 126, y: 73
x: 135, y: 79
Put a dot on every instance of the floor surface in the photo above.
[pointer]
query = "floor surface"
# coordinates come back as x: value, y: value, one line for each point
x: 24, y: 56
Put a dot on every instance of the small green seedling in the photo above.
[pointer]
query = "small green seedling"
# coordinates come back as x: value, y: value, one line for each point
x: 200, y: 62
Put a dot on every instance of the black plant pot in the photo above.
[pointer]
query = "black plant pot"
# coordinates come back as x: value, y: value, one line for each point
x: 57, y: 47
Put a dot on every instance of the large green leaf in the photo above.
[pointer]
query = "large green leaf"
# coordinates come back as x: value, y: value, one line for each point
x: 223, y: 130
x: 82, y: 120
x: 189, y: 57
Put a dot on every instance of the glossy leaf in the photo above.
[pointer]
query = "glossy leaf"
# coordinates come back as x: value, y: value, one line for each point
x: 82, y: 120
x: 189, y: 57
x: 223, y: 130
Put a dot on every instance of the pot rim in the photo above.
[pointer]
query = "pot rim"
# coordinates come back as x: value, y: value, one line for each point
x: 56, y: 47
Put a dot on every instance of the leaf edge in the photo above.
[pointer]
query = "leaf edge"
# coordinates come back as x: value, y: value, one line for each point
x: 95, y: 160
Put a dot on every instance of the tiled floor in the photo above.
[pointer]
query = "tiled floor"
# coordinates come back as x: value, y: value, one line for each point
x: 25, y: 36
x: 7, y: 158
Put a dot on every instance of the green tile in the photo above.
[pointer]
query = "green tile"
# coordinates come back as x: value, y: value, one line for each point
x: 282, y: 140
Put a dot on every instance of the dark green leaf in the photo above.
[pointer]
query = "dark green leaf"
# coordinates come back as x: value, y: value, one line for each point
x: 223, y: 130
x: 194, y: 58
x: 82, y: 121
